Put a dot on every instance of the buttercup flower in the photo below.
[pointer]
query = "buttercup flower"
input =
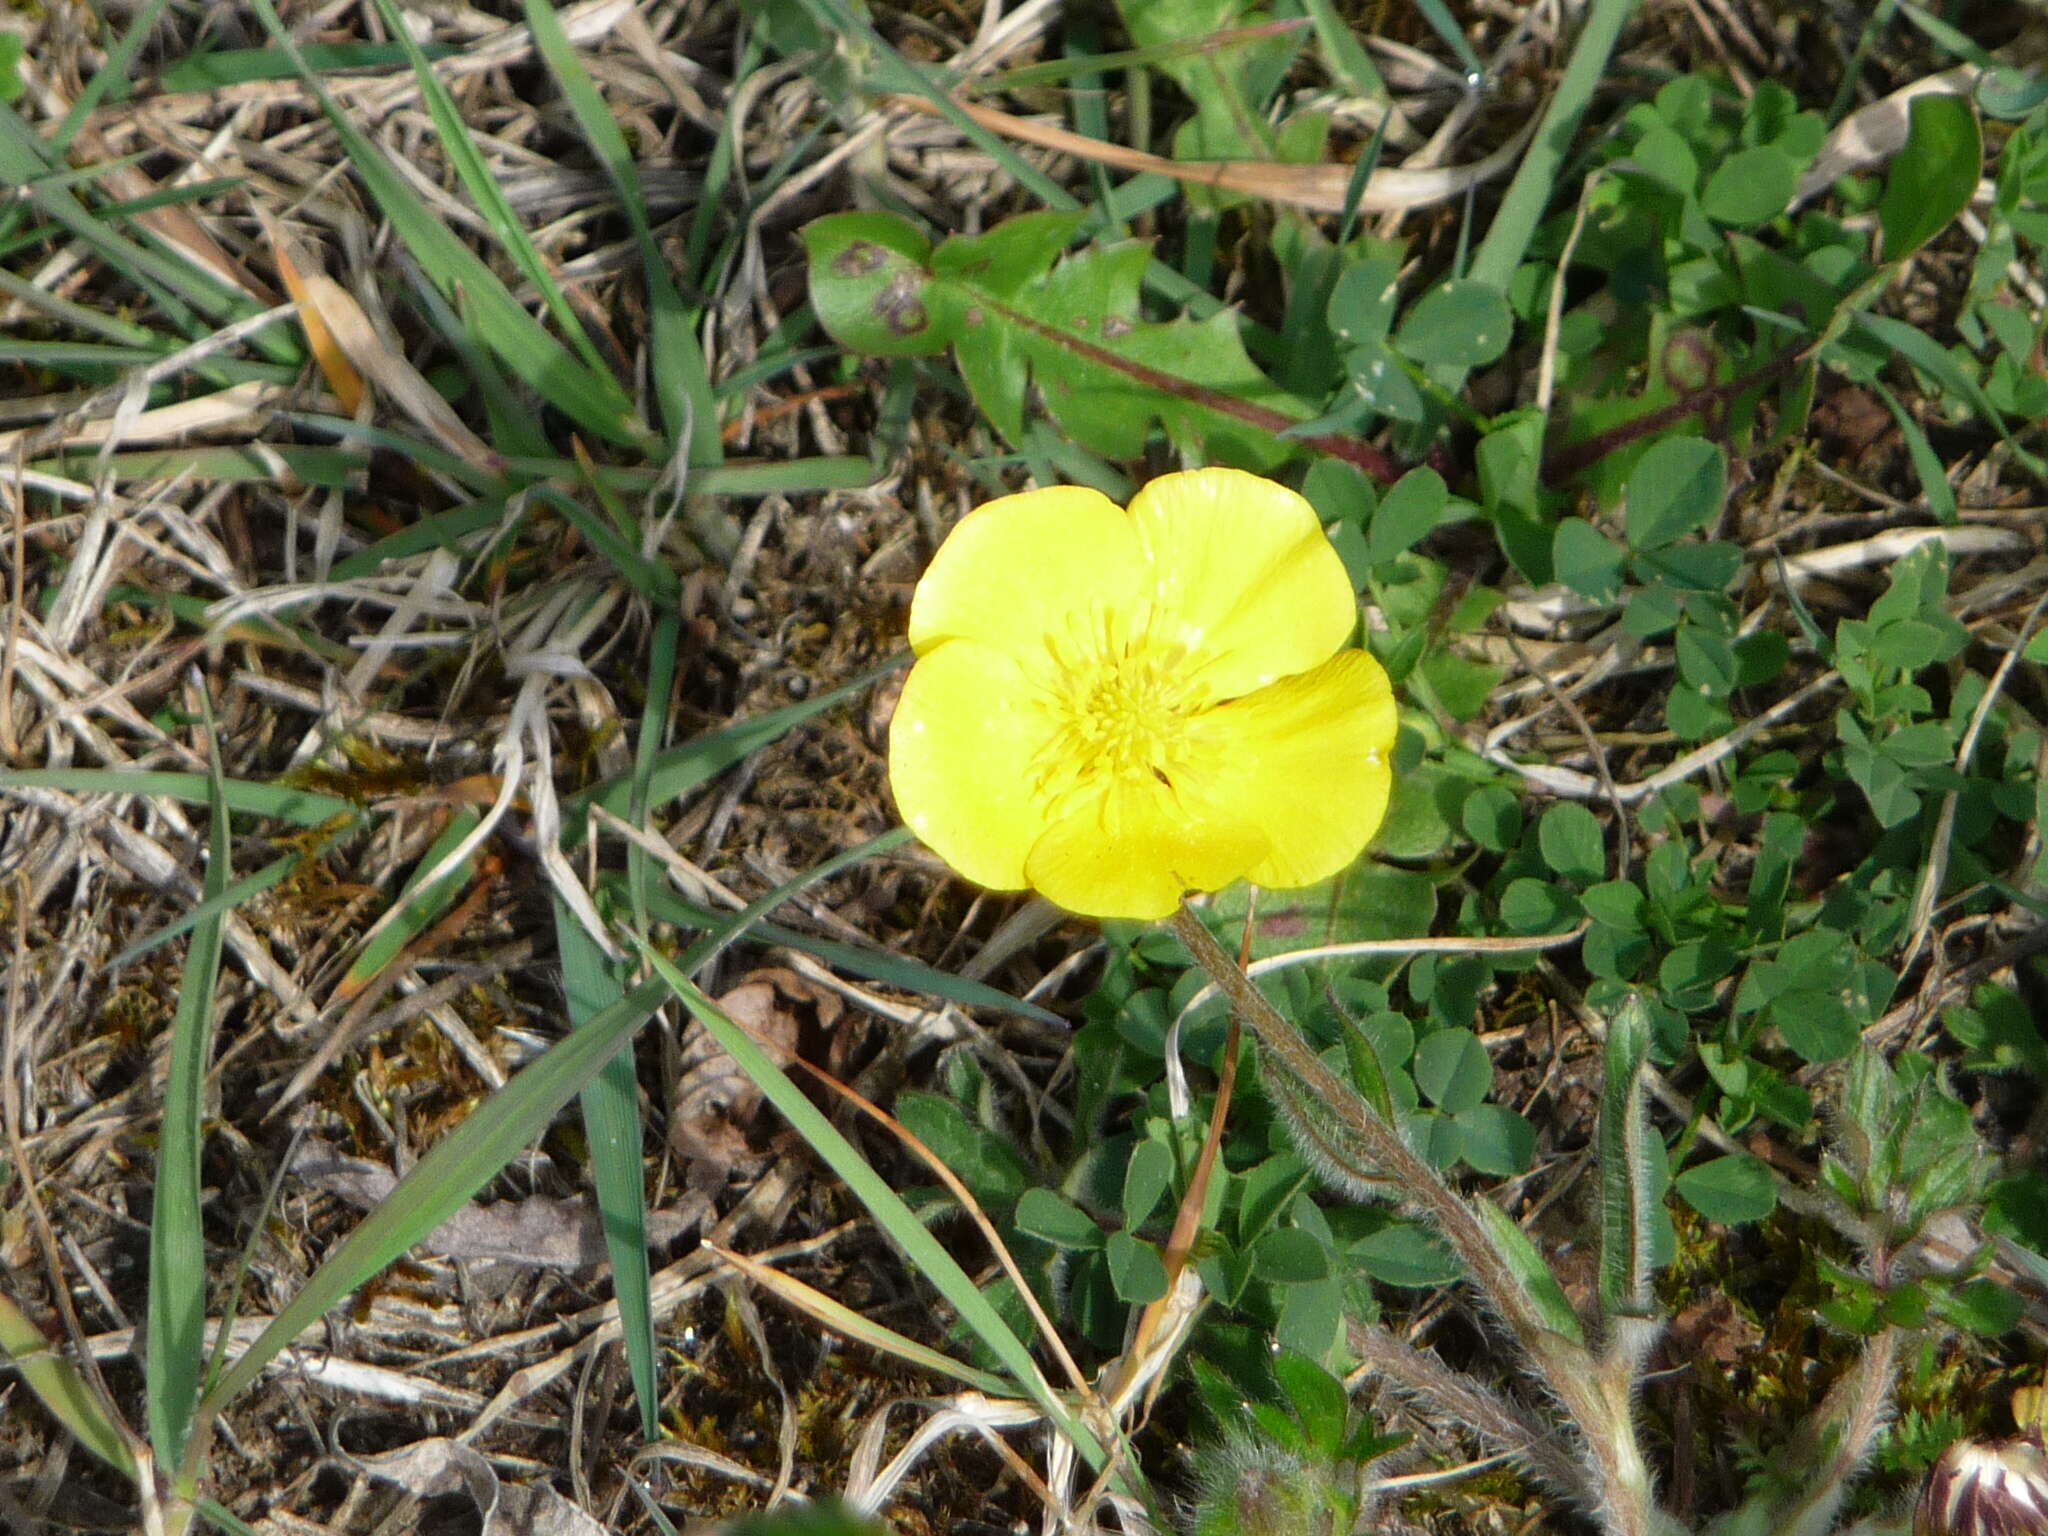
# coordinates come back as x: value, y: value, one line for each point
x: 1114, y: 708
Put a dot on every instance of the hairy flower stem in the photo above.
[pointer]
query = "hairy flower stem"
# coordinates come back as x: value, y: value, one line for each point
x: 1614, y: 1482
x: 1499, y: 1424
x: 1842, y: 1432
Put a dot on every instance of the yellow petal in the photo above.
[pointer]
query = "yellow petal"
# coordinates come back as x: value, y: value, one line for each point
x: 1307, y: 760
x: 1023, y: 568
x: 961, y: 748
x: 1243, y: 577
x: 1132, y: 850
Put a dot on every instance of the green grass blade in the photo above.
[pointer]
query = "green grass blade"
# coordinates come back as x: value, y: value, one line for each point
x: 247, y: 66
x: 893, y: 970
x: 62, y: 1389
x: 897, y: 1219
x: 661, y: 677
x: 590, y: 397
x: 849, y: 1324
x: 422, y: 907
x: 1446, y: 27
x: 178, y: 285
x: 682, y: 769
x: 484, y: 191
x: 1343, y: 53
x: 611, y: 1125
x: 112, y: 73
x: 682, y: 379
x: 273, y: 873
x: 301, y: 807
x: 177, y: 1245
x: 326, y: 468
x: 1528, y: 195
x: 443, y: 1181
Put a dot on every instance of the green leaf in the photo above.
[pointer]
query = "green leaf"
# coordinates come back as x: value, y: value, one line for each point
x: 1461, y: 323
x: 62, y: 1388
x: 1934, y: 176
x: 1536, y: 906
x: 1492, y: 817
x: 1571, y: 842
x: 1148, y: 1176
x: 1538, y: 1281
x: 870, y: 282
x: 1405, y: 1254
x: 1059, y: 1221
x: 1381, y: 385
x: 1676, y: 488
x: 1135, y: 1269
x: 1816, y: 1024
x: 1318, y: 1399
x: 1510, y: 461
x: 1983, y: 1307
x: 1587, y: 561
x: 1406, y: 514
x: 1016, y: 313
x: 1732, y: 1190
x: 11, y: 85
x: 1706, y: 660
x: 1463, y: 686
x: 1497, y: 1140
x: 1361, y: 306
x: 1290, y: 1256
x: 986, y: 1163
x: 1452, y: 1069
x: 177, y: 1242
x: 1616, y: 903
x: 1750, y: 187
x: 1632, y: 1165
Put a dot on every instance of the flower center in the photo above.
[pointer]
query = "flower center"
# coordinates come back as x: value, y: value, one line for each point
x: 1123, y: 702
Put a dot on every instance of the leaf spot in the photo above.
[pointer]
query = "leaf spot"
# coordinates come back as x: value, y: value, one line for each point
x: 899, y: 308
x: 859, y: 259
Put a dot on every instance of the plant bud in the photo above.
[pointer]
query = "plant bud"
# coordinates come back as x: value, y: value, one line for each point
x: 1986, y: 1488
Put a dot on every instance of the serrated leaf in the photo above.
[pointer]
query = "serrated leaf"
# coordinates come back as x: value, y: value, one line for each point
x: 1018, y: 313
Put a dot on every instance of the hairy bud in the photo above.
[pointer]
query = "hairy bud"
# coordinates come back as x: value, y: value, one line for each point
x: 1986, y: 1488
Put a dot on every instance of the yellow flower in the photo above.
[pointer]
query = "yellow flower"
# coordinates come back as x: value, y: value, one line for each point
x: 1114, y: 708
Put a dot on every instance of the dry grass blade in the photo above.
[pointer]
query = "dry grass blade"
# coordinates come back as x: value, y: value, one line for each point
x: 1316, y: 188
x: 841, y: 1319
